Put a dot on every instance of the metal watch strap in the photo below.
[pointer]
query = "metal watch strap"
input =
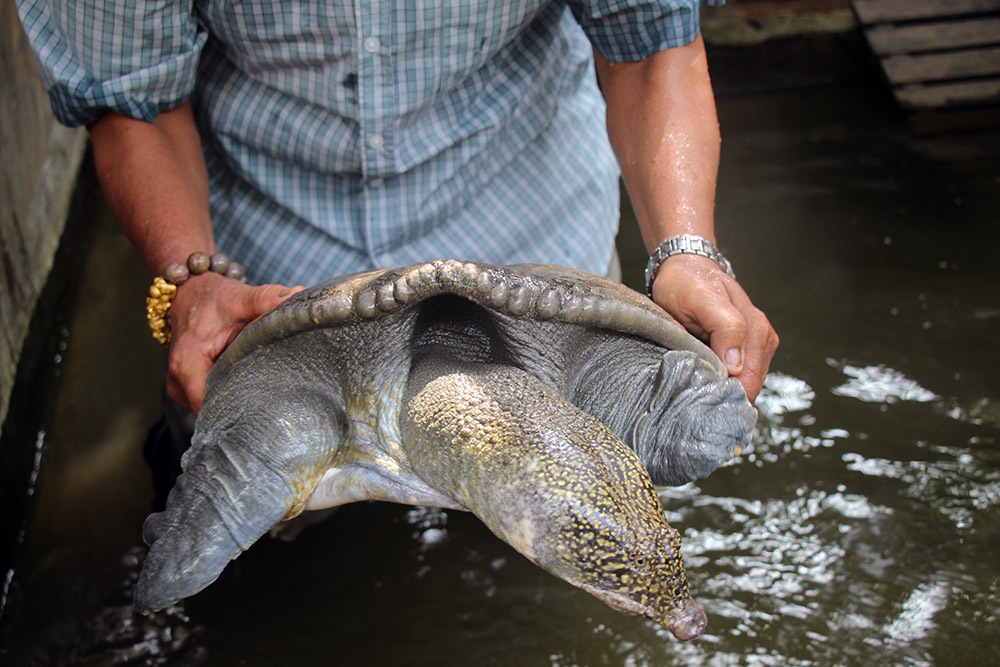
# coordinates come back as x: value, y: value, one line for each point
x: 684, y: 244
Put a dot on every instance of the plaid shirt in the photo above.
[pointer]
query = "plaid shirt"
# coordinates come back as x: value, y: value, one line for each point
x: 346, y: 136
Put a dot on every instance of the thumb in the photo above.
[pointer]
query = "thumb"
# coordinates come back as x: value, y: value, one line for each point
x: 727, y: 335
x: 256, y: 301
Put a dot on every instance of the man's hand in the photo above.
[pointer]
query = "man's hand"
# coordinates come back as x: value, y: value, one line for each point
x: 665, y: 133
x: 208, y: 313
x: 713, y: 306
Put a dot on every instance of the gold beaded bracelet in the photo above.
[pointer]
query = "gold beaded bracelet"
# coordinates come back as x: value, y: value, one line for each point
x: 164, y: 288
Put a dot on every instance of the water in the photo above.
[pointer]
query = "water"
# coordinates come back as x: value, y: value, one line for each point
x: 861, y: 528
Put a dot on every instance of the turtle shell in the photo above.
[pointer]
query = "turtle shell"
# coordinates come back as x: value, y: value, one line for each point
x: 523, y: 291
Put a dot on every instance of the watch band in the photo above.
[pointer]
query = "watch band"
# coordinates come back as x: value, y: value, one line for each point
x: 684, y: 244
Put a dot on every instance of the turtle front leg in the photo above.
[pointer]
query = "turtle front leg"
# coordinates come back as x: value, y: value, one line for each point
x: 241, y: 477
x: 669, y: 406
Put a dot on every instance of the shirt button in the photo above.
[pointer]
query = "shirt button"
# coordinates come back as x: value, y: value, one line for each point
x: 372, y: 45
x: 376, y: 141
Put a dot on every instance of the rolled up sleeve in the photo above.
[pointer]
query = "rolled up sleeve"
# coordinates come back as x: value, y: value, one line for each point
x: 630, y: 30
x: 131, y: 56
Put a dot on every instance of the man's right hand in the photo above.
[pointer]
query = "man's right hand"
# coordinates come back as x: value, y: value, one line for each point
x: 205, y: 317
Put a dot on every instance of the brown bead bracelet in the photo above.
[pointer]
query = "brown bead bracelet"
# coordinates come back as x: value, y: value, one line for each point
x: 164, y: 288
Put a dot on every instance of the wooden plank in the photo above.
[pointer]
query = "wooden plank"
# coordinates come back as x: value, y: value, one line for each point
x: 942, y: 66
x: 915, y: 96
x: 893, y: 39
x: 879, y: 11
x: 963, y: 119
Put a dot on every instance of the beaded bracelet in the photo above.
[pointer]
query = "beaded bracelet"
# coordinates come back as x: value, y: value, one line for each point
x: 164, y: 288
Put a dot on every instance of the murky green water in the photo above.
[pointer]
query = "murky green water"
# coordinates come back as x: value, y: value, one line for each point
x: 862, y: 528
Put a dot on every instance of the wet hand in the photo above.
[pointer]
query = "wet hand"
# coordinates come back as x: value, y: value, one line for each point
x: 714, y: 307
x: 207, y: 315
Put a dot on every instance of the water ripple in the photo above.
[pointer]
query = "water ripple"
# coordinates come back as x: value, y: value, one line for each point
x: 952, y: 487
x: 781, y: 549
x: 783, y: 394
x: 119, y: 635
x: 879, y: 384
x: 916, y: 619
x: 430, y: 524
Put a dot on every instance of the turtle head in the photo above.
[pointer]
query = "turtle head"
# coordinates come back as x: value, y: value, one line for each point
x: 608, y: 535
x: 629, y: 558
x: 552, y: 481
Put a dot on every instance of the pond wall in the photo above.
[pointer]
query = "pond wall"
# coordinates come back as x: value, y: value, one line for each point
x: 39, y: 160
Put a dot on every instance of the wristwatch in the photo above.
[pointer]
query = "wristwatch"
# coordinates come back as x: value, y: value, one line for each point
x: 684, y: 244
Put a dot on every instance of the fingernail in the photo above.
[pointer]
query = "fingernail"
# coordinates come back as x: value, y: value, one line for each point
x: 733, y: 357
x: 284, y: 292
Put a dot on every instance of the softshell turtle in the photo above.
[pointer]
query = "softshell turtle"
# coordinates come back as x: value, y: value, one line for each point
x: 544, y: 400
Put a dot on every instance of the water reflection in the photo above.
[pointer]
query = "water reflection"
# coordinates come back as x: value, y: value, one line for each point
x: 878, y: 384
x: 822, y: 561
x: 117, y: 635
x: 916, y: 619
x: 830, y: 541
x: 783, y: 393
x: 951, y: 486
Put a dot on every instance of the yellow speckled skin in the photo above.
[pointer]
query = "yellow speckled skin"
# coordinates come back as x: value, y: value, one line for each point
x: 551, y: 481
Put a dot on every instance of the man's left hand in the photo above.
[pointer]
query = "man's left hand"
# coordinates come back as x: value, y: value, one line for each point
x: 712, y: 306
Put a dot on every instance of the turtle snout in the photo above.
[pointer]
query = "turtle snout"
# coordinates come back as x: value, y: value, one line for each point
x: 688, y: 623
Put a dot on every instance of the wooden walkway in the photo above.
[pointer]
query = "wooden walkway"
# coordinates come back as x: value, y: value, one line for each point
x: 941, y: 57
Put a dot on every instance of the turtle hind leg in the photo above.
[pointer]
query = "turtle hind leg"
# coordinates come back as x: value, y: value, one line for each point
x: 239, y: 481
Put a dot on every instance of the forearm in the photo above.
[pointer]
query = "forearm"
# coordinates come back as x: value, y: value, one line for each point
x: 664, y: 130
x: 665, y: 133
x: 154, y: 178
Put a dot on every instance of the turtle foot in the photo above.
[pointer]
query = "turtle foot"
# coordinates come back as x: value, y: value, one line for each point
x: 693, y: 422
x: 672, y: 408
x: 184, y: 557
